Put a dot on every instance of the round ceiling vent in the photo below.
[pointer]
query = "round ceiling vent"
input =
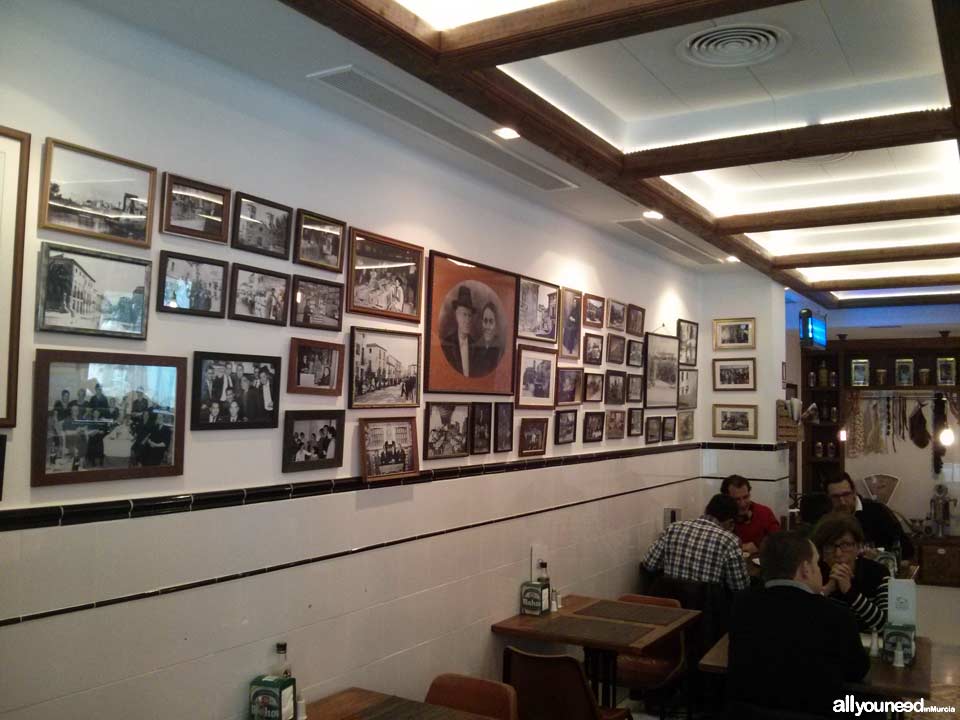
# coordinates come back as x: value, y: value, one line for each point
x: 823, y: 159
x: 730, y: 46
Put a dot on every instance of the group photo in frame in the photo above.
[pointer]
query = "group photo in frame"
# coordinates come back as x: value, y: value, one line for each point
x: 536, y: 376
x: 735, y: 334
x: 503, y: 427
x: 593, y: 426
x: 384, y: 368
x: 481, y: 427
x: 616, y: 315
x: 312, y: 440
x: 688, y: 332
x: 316, y: 304
x: 318, y: 241
x: 107, y: 416
x: 539, y: 305
x: 388, y: 448
x: 688, y: 389
x: 571, y: 323
x: 446, y: 432
x: 194, y: 209
x: 315, y: 367
x: 731, y: 374
x: 261, y: 226
x: 89, y: 292
x: 735, y: 421
x: 569, y: 385
x: 471, y: 327
x: 662, y: 370
x: 564, y: 427
x: 594, y: 309
x: 258, y: 295
x: 384, y: 277
x: 90, y: 193
x: 191, y: 285
x: 533, y: 436
x: 234, y: 391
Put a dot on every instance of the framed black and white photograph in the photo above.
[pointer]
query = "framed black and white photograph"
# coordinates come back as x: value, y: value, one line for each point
x: 384, y: 277
x: 539, y: 303
x: 734, y: 374
x: 616, y: 424
x: 106, y: 416
x: 194, y: 209
x: 481, y: 427
x: 318, y: 241
x: 533, y: 436
x: 685, y: 426
x: 384, y: 368
x: 634, y: 388
x: 616, y: 315
x: 88, y: 292
x: 569, y: 386
x: 258, y: 295
x: 234, y: 391
x: 689, y: 387
x: 903, y: 372
x: 593, y: 387
x: 946, y: 371
x: 91, y: 193
x: 860, y: 373
x: 388, y: 448
x: 571, y: 323
x: 661, y: 370
x: 312, y: 439
x: 735, y: 334
x: 315, y: 367
x: 316, y: 304
x: 592, y: 349
x: 447, y: 430
x: 654, y: 430
x: 635, y: 317
x: 536, y: 376
x: 593, y: 424
x: 735, y: 421
x: 616, y: 349
x: 594, y: 308
x: 261, y: 226
x: 634, y: 422
x: 565, y: 427
x: 615, y: 392
x: 190, y: 285
x: 635, y: 353
x: 668, y: 429
x: 503, y: 427
x: 688, y: 332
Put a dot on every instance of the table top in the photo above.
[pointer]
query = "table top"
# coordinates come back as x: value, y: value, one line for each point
x: 883, y: 679
x: 359, y: 704
x: 602, y: 624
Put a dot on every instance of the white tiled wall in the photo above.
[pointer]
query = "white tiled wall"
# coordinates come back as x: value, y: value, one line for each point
x: 770, y: 466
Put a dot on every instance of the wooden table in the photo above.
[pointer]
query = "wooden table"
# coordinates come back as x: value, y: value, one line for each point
x: 909, y: 683
x: 359, y: 704
x: 604, y: 629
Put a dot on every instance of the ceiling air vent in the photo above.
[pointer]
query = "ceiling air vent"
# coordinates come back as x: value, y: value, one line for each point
x: 379, y: 96
x: 729, y: 46
x: 669, y: 241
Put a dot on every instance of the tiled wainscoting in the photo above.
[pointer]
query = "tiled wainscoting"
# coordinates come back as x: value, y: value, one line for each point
x: 389, y: 617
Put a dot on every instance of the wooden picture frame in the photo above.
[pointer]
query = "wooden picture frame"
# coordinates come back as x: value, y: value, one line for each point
x: 615, y: 387
x: 380, y: 361
x: 635, y: 320
x: 311, y: 233
x: 735, y: 421
x: 616, y: 315
x: 307, y: 356
x: 268, y: 234
x: 635, y: 422
x: 324, y: 294
x: 859, y: 372
x: 246, y: 286
x: 594, y: 424
x: 481, y: 428
x: 662, y: 370
x: 185, y: 201
x: 569, y: 386
x: 538, y: 310
x: 634, y: 356
x: 367, y: 287
x: 446, y: 430
x: 503, y: 427
x: 685, y: 426
x: 318, y: 424
x: 533, y: 436
x: 397, y: 456
x: 904, y: 373
x: 733, y: 374
x: 615, y: 424
x: 125, y: 217
x: 635, y: 387
x: 571, y: 322
x: 124, y: 410
x: 593, y: 386
x: 594, y: 310
x: 536, y: 377
x: 190, y: 287
x: 689, y: 334
x: 735, y: 334
x: 565, y: 427
x: 227, y: 379
x: 946, y: 372
x: 688, y: 389
x: 592, y: 349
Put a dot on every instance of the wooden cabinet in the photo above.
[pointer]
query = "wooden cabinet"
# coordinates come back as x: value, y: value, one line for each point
x: 940, y: 561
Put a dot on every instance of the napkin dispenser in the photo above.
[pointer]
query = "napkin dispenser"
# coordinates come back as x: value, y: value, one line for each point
x: 900, y: 632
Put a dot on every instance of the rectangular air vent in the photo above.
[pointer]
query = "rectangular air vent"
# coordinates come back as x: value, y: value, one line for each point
x: 379, y: 96
x: 669, y: 241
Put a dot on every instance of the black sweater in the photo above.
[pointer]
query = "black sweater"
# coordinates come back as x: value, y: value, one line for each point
x: 881, y: 527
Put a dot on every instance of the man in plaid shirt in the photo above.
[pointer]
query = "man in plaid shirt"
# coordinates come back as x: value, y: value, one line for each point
x: 702, y: 550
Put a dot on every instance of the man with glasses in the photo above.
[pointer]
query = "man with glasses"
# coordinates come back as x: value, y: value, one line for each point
x: 754, y: 521
x: 881, y: 528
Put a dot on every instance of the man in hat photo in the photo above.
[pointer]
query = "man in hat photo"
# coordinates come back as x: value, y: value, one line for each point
x: 459, y: 346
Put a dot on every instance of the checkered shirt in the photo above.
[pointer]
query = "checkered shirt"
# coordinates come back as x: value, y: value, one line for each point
x: 699, y: 550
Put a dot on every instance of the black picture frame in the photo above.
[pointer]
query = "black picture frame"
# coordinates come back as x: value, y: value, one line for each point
x: 613, y: 395
x: 635, y: 422
x: 668, y: 428
x: 571, y: 323
x: 277, y: 313
x: 688, y: 333
x: 635, y: 387
x: 688, y: 388
x: 376, y: 373
x: 481, y: 428
x: 172, y: 303
x: 297, y: 299
x: 653, y: 427
x: 291, y: 448
x: 591, y: 383
x: 616, y: 315
x: 664, y: 371
x: 252, y: 408
x: 533, y: 322
x: 594, y: 424
x: 616, y: 424
x: 279, y: 226
x: 594, y: 310
x: 533, y: 427
x: 305, y: 236
x: 592, y: 349
x: 634, y: 356
x: 503, y: 427
x: 635, y: 320
x: 566, y: 396
x: 437, y: 432
x: 565, y: 433
x: 616, y: 349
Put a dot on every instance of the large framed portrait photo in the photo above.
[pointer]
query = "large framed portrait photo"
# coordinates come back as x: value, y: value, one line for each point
x: 539, y: 306
x: 261, y: 226
x: 191, y: 285
x: 318, y: 241
x: 384, y: 368
x: 107, y: 416
x: 258, y: 295
x: 234, y: 391
x: 384, y: 277
x: 312, y: 439
x: 661, y: 370
x: 471, y: 327
x: 194, y: 209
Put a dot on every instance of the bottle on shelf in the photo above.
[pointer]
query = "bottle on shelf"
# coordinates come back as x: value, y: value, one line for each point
x: 812, y: 379
x: 831, y: 449
x: 818, y: 450
x: 834, y: 414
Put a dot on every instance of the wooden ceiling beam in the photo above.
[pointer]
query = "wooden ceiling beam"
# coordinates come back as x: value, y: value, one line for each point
x: 868, y: 255
x: 947, y: 16
x: 854, y: 214
x: 864, y: 134
x: 901, y: 301
x: 887, y: 282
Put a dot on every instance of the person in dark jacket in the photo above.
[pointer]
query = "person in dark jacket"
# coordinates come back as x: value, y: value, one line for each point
x: 880, y: 526
x: 791, y: 649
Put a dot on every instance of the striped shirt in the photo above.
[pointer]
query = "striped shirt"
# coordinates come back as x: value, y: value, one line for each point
x: 701, y: 551
x: 868, y: 593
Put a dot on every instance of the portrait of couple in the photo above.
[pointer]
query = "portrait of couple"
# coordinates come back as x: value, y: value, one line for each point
x: 473, y: 346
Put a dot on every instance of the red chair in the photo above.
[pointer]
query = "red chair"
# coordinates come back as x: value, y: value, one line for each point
x: 474, y: 695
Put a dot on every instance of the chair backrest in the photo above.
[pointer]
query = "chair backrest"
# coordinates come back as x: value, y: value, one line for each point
x: 475, y: 695
x: 714, y: 601
x: 549, y: 687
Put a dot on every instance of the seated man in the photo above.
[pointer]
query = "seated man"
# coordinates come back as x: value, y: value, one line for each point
x: 754, y: 521
x: 880, y: 526
x: 702, y: 550
x: 790, y: 647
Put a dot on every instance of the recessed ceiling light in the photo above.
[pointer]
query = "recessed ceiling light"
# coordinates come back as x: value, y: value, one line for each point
x: 732, y: 259
x: 506, y: 133
x: 653, y: 215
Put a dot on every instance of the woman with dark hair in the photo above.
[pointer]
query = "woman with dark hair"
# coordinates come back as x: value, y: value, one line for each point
x: 849, y: 578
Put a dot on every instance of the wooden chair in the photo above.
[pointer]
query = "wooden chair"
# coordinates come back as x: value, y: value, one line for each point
x: 474, y: 695
x: 553, y: 687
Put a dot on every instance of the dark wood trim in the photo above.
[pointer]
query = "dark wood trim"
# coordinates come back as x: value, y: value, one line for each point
x: 951, y: 344
x: 888, y: 282
x: 863, y: 134
x: 853, y: 214
x: 869, y: 255
x: 901, y: 301
x: 946, y: 13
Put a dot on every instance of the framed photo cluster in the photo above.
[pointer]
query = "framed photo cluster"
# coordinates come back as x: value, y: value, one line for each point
x: 731, y: 375
x: 457, y: 429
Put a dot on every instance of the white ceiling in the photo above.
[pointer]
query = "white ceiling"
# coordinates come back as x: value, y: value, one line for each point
x: 899, y: 292
x: 882, y: 270
x: 901, y: 233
